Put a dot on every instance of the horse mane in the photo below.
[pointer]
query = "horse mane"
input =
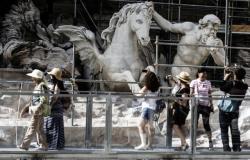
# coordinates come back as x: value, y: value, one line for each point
x: 14, y: 20
x: 120, y: 17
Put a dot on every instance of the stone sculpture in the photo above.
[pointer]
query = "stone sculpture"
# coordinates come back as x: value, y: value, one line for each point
x: 27, y: 43
x: 128, y: 29
x: 193, y: 35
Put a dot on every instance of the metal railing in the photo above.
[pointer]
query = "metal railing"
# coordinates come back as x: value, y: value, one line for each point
x: 107, y: 142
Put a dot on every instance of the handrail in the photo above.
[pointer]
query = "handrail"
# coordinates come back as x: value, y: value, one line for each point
x: 108, y: 123
x: 125, y: 95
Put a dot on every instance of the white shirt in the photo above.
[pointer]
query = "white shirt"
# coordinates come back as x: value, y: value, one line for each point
x: 150, y: 101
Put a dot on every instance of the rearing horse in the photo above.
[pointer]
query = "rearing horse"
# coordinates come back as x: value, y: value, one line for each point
x: 121, y: 61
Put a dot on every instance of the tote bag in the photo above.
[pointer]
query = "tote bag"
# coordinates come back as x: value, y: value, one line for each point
x: 226, y: 104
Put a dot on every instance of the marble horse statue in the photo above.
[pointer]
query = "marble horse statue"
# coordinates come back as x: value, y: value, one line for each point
x: 128, y: 30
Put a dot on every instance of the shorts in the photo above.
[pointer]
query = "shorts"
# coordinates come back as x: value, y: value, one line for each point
x: 147, y: 114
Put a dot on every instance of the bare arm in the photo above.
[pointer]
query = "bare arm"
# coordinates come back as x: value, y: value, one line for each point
x: 210, y: 97
x: 176, y: 28
x: 191, y: 91
x: 218, y: 54
x: 142, y: 91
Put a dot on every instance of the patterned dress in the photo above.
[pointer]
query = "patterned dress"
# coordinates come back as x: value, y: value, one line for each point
x: 54, y: 127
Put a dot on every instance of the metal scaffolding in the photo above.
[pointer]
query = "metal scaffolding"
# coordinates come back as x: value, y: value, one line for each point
x: 107, y: 151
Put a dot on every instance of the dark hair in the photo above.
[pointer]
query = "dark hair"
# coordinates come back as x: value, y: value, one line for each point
x: 240, y: 73
x: 152, y: 82
x: 201, y: 70
x: 57, y: 82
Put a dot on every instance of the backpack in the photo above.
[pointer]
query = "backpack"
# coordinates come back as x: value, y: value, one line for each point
x: 46, y: 108
x: 66, y: 100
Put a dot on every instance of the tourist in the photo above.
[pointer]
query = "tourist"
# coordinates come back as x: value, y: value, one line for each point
x: 148, y: 106
x: 237, y: 89
x: 201, y: 88
x: 181, y: 107
x: 36, y: 109
x: 53, y: 124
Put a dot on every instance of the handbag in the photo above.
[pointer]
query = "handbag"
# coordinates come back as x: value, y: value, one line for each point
x: 226, y: 104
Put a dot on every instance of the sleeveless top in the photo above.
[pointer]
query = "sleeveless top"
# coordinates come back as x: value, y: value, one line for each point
x: 150, y: 101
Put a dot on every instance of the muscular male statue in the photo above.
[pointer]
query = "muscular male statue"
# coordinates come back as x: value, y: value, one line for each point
x: 202, y: 34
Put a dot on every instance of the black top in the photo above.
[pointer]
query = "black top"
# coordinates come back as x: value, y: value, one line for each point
x: 182, y: 91
x: 236, y: 89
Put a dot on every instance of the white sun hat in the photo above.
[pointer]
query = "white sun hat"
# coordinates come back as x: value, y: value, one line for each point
x: 36, y: 74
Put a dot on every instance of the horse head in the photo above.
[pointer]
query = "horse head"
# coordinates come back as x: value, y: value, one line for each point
x: 137, y: 15
x: 140, y: 22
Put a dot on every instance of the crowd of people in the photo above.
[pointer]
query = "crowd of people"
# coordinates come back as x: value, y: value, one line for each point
x: 200, y: 88
x: 47, y: 111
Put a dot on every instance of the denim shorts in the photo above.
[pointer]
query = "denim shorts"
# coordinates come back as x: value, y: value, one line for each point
x: 147, y: 114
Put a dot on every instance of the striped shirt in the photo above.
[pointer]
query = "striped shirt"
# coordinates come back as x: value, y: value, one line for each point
x: 201, y: 90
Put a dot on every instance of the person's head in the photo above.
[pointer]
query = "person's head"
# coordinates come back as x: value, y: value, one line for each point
x: 36, y: 75
x: 56, y: 77
x: 202, y: 74
x: 145, y: 71
x: 209, y: 25
x: 56, y: 74
x: 149, y: 69
x: 151, y: 82
x: 184, y: 78
x: 239, y: 73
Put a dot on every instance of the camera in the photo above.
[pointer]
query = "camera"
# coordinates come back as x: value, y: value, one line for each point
x: 231, y: 71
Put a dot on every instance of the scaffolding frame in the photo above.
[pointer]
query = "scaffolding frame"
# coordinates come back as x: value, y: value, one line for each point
x: 228, y: 9
x: 108, y: 152
x: 107, y: 149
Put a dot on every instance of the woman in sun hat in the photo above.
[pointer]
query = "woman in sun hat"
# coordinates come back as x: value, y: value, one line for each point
x: 181, y: 107
x: 36, y: 109
x: 53, y: 124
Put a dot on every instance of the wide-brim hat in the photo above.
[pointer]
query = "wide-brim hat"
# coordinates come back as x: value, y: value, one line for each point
x: 57, y: 72
x: 36, y: 74
x: 184, y: 76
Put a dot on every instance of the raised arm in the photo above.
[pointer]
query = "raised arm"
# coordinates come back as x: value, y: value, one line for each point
x: 218, y: 54
x: 176, y: 28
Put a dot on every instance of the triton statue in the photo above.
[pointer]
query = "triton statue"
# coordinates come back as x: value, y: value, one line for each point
x: 202, y: 34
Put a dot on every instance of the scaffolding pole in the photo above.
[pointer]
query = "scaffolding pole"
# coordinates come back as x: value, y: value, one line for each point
x: 226, y: 33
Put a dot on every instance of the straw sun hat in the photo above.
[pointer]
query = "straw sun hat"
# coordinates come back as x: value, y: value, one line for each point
x: 184, y: 76
x: 57, y: 72
x: 36, y: 74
